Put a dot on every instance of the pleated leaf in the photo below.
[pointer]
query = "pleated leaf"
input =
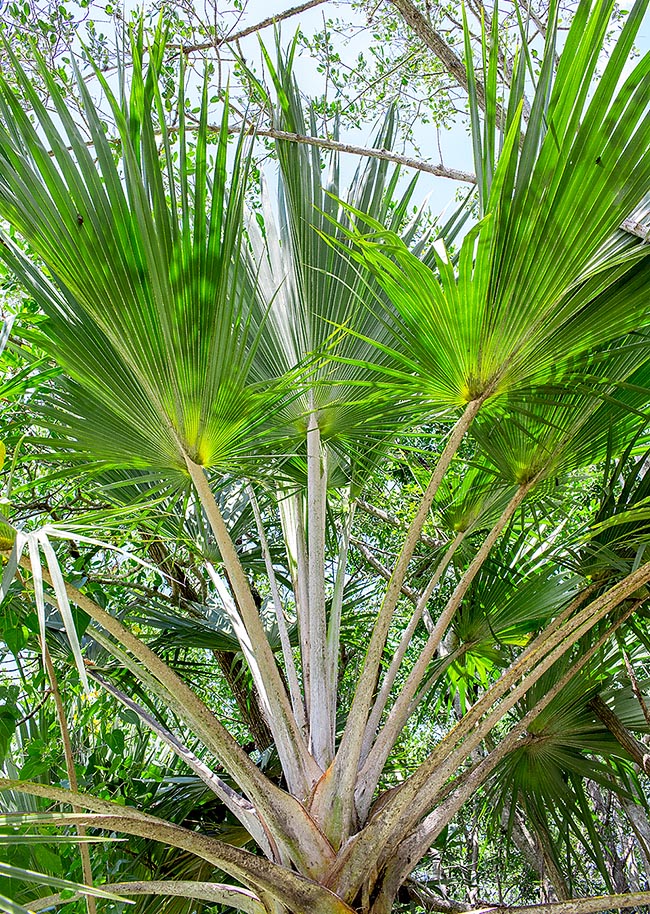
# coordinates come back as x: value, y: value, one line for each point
x: 145, y: 307
x: 546, y: 274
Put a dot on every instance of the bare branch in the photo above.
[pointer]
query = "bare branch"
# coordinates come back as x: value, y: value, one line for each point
x: 432, y: 902
x: 387, y: 518
x: 34, y: 711
x: 621, y: 734
x: 249, y: 30
x: 441, y: 171
x: 385, y: 573
x: 445, y: 54
x: 575, y: 905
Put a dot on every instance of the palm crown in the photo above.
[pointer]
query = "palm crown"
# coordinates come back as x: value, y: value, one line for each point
x: 201, y: 349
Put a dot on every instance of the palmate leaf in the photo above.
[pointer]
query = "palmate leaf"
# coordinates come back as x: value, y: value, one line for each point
x: 510, y: 600
x: 622, y: 518
x: 567, y: 746
x: 474, y: 501
x: 320, y: 290
x: 625, y: 705
x: 546, y: 274
x: 562, y: 427
x: 147, y: 311
x: 33, y: 543
x: 315, y: 293
x: 210, y: 628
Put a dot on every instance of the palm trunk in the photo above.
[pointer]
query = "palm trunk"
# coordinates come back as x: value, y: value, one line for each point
x: 247, y: 700
x: 284, y: 817
x: 287, y: 653
x: 402, y: 708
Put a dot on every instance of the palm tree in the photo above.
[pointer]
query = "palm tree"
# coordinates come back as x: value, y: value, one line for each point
x: 200, y: 353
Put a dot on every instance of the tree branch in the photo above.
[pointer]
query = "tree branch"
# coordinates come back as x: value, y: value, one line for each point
x: 621, y: 734
x: 381, y: 570
x: 636, y: 688
x: 574, y: 906
x: 432, y: 902
x: 445, y: 54
x: 215, y: 892
x: 249, y: 30
x: 386, y: 155
x: 387, y: 518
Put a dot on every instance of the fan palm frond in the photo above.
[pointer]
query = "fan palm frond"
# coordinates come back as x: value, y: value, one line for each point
x: 503, y: 320
x: 145, y: 307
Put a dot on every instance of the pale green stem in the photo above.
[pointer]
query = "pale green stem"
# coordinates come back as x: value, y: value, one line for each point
x: 346, y: 763
x: 293, y: 532
x: 320, y: 712
x: 336, y: 609
x: 287, y: 653
x: 215, y: 892
x: 298, y: 765
x: 244, y: 639
x: 399, y: 713
x: 402, y: 647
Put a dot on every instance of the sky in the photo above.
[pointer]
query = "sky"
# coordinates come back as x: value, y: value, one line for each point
x: 455, y: 143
